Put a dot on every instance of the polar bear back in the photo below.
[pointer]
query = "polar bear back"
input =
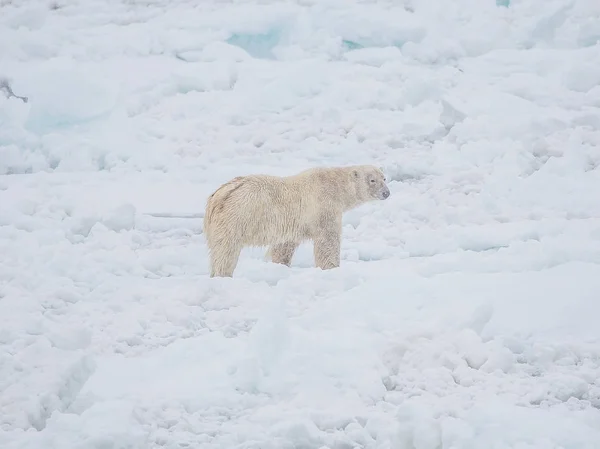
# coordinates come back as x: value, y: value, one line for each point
x: 263, y: 209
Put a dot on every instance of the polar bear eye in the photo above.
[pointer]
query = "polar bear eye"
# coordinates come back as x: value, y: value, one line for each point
x: 372, y: 181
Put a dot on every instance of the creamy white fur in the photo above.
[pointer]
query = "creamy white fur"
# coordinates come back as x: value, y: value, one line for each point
x: 282, y: 212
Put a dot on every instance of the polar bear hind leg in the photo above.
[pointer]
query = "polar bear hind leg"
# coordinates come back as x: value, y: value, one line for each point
x: 224, y: 258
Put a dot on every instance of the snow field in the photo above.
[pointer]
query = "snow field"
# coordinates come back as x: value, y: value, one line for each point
x: 464, y: 314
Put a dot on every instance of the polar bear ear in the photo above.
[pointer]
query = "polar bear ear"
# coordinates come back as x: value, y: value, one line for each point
x: 355, y: 173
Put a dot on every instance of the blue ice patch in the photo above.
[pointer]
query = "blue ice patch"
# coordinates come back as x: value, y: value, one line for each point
x: 257, y: 45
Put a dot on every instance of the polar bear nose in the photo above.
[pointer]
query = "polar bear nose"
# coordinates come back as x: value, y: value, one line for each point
x: 385, y: 193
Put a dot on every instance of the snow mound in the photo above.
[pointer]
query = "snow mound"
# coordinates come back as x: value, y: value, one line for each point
x: 64, y: 97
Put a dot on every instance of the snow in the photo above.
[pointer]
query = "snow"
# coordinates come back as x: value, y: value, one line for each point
x: 465, y: 312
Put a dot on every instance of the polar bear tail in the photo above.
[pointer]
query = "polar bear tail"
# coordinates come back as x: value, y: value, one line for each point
x: 218, y: 199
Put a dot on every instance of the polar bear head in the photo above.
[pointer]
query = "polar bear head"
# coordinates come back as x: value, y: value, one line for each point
x: 371, y: 183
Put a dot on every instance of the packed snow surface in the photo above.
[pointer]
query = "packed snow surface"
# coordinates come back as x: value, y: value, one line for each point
x: 466, y: 311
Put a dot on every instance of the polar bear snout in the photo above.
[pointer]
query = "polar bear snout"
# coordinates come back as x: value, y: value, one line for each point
x: 384, y: 194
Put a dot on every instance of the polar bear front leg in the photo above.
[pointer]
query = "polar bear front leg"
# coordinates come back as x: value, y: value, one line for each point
x: 327, y: 243
x: 283, y: 252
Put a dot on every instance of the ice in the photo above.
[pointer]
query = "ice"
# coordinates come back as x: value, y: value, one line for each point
x: 72, y: 99
x: 259, y: 45
x: 465, y: 311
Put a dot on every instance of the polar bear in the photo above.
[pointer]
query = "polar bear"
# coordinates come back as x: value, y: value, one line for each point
x: 282, y: 212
